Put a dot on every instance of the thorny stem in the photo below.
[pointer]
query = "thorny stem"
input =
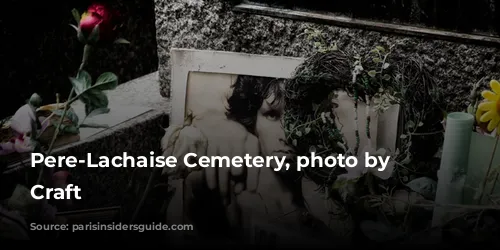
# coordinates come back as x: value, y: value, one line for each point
x: 488, y: 170
x: 86, y: 51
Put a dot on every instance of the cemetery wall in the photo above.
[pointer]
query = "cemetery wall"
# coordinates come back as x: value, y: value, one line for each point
x: 214, y: 25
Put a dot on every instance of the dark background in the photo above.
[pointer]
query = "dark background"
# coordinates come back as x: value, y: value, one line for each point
x: 40, y: 50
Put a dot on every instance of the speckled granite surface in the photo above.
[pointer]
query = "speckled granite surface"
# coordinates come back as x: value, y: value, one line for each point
x: 41, y: 53
x: 211, y: 24
x: 138, y: 136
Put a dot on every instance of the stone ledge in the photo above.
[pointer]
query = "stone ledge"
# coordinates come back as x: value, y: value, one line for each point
x: 332, y: 19
x: 137, y: 136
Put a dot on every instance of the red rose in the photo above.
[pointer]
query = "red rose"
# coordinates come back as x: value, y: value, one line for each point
x: 99, y: 14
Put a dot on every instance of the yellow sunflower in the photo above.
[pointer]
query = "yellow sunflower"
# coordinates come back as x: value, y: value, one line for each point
x: 489, y: 110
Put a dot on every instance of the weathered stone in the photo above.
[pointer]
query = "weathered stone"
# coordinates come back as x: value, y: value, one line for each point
x: 212, y: 25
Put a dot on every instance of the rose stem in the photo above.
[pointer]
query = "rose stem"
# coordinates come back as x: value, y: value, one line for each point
x: 48, y: 176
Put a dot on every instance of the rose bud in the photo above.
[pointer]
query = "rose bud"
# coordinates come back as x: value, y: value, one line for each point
x: 99, y: 15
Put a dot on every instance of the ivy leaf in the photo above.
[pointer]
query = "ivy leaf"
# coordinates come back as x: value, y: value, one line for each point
x: 385, y: 66
x: 380, y: 48
x: 76, y: 16
x: 410, y: 124
x: 372, y: 73
x: 121, y: 41
x: 106, y: 81
x: 387, y: 77
x: 376, y: 60
x: 307, y: 130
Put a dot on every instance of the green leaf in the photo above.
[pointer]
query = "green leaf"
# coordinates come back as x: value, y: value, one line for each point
x: 94, y: 99
x: 98, y: 111
x: 69, y: 129
x: 70, y: 114
x: 386, y: 77
x: 81, y: 37
x: 85, y: 77
x: 91, y: 125
x: 308, y: 130
x: 76, y: 15
x: 74, y: 27
x: 106, y: 81
x: 470, y: 109
x: 385, y: 66
x: 122, y: 41
x: 376, y: 60
x: 94, y: 36
x: 79, y: 85
x: 372, y: 73
x: 410, y: 124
